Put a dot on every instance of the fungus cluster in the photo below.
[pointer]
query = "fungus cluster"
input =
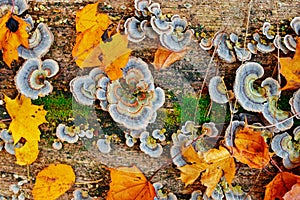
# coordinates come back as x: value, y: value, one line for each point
x: 104, y: 144
x: 149, y: 145
x: 31, y: 78
x: 160, y: 194
x: 8, y: 142
x: 150, y: 22
x: 19, y: 6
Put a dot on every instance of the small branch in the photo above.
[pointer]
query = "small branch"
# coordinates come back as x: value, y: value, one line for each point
x: 88, y: 182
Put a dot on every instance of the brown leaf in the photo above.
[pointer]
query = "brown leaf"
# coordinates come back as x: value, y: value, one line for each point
x: 164, y: 58
x: 290, y: 69
x: 280, y: 185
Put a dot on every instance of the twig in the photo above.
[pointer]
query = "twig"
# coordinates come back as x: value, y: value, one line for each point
x: 88, y: 182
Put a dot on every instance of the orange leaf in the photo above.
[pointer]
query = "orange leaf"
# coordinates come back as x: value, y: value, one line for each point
x: 164, y: 58
x: 250, y: 148
x: 129, y: 183
x: 111, y: 56
x: 53, y: 181
x: 12, y: 35
x: 280, y: 185
x: 290, y: 69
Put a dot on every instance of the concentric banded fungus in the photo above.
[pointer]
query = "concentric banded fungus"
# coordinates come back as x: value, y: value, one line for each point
x: 19, y: 6
x: 223, y: 50
x: 179, y: 141
x: 266, y: 30
x: 295, y: 24
x: 189, y: 127
x: 133, y: 100
x: 179, y: 38
x: 141, y: 5
x: 217, y: 90
x: 231, y: 131
x: 271, y: 87
x: 147, y: 28
x: 295, y: 104
x: 290, y: 42
x: 284, y: 147
x: 67, y: 134
x: 275, y: 116
x: 264, y: 48
x: 160, y: 25
x: 242, y: 54
x: 279, y: 45
x: 209, y: 129
x: 252, y: 48
x: 130, y: 141
x: 133, y: 30
x: 154, y: 8
x: 159, y: 134
x: 30, y: 79
x: 39, y: 43
x: 149, y: 145
x: 246, y: 94
x: 206, y: 43
x: 234, y: 37
x: 104, y: 144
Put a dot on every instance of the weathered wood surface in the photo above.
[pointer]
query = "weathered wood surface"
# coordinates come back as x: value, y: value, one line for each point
x: 215, y: 15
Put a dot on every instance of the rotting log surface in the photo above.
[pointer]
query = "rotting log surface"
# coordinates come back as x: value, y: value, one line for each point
x: 214, y: 15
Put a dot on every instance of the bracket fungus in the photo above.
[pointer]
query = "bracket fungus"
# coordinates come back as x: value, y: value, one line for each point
x: 276, y: 116
x: 217, y: 90
x: 220, y: 42
x: 133, y: 100
x: 80, y: 194
x: 141, y: 5
x: 189, y: 127
x: 209, y: 129
x: 231, y: 132
x: 284, y: 147
x: 206, y: 43
x: 179, y: 141
x: 150, y: 146
x: 103, y: 144
x: 67, y: 134
x: 159, y: 134
x: 252, y: 48
x: 279, y: 45
x: 39, y: 43
x: 295, y: 24
x: 160, y: 194
x: 295, y: 104
x: 8, y: 141
x: 262, y: 46
x: 242, y: 54
x: 271, y: 87
x: 130, y: 141
x: 31, y: 78
x: 160, y: 25
x: 290, y: 42
x: 249, y: 98
x: 19, y: 6
x: 133, y: 30
x: 154, y: 8
x: 266, y: 29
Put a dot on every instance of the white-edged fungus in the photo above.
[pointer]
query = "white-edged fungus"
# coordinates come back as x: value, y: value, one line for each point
x: 160, y: 195
x: 159, y: 134
x: 264, y: 48
x: 295, y: 104
x: 19, y: 6
x: 154, y: 8
x: 67, y: 134
x: 57, y: 145
x: 245, y: 92
x: 223, y: 50
x: 104, y: 144
x: 133, y: 100
x: 14, y: 188
x: 86, y: 133
x: 8, y: 141
x: 80, y: 194
x: 149, y: 145
x: 28, y: 19
x: 279, y: 45
x: 284, y: 147
x: 141, y: 5
x: 39, y: 43
x: 130, y: 141
x: 234, y: 38
x: 179, y: 38
x: 189, y: 127
x: 206, y: 43
x: 290, y: 42
x: 217, y: 90
x: 236, y: 193
x: 179, y: 141
x: 266, y: 30
x: 196, y: 195
x: 160, y: 25
x: 147, y: 28
x: 31, y: 77
x: 242, y: 54
x: 275, y: 116
x: 252, y: 48
x: 133, y: 30
x: 209, y: 129
x: 271, y: 86
x: 231, y: 131
x: 295, y: 24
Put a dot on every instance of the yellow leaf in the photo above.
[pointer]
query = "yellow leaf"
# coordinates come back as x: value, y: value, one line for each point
x: 25, y: 118
x: 110, y: 56
x: 128, y: 183
x: 290, y: 69
x: 28, y: 153
x: 164, y: 58
x: 53, y: 181
x: 12, y: 35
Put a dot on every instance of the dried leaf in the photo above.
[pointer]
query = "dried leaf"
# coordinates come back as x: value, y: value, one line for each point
x: 129, y: 183
x: 290, y: 69
x: 25, y: 118
x: 12, y: 35
x: 294, y: 193
x: 53, y: 181
x: 28, y: 153
x: 111, y: 56
x: 280, y: 185
x: 215, y: 163
x: 163, y: 57
x: 250, y: 148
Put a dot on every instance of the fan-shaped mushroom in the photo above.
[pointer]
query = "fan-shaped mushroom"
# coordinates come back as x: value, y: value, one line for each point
x: 149, y: 145
x: 67, y: 134
x: 290, y: 42
x: 209, y: 129
x: 19, y: 6
x: 223, y: 50
x: 217, y: 90
x: 133, y: 30
x: 160, y: 25
x: 231, y: 131
x: 295, y: 104
x: 141, y: 5
x: 295, y: 24
x: 206, y: 43
x: 279, y: 45
x: 264, y: 48
x: 103, y: 144
x: 266, y: 30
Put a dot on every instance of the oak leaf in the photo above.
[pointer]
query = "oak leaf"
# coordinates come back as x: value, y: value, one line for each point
x: 280, y: 185
x: 214, y: 164
x: 128, y: 183
x: 12, y: 35
x: 53, y: 181
x: 25, y: 118
x: 28, y: 153
x: 111, y: 56
x: 290, y: 69
x: 90, y: 26
x: 163, y: 57
x: 250, y: 148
